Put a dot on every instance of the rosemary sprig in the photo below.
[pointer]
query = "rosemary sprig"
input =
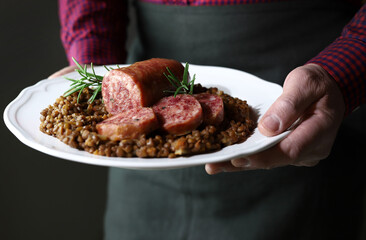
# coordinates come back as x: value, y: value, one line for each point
x: 87, y: 80
x: 181, y: 87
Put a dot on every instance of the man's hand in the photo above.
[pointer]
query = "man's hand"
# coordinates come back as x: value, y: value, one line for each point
x: 313, y: 98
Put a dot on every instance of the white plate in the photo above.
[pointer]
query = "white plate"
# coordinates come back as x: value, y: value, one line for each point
x: 22, y: 117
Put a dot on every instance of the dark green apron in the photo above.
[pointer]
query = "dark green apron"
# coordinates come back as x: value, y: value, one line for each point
x: 268, y: 40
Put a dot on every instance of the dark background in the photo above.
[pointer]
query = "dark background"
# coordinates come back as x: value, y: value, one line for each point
x: 41, y: 197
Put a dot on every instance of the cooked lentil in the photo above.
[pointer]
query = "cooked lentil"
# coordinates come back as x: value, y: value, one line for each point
x: 75, y: 124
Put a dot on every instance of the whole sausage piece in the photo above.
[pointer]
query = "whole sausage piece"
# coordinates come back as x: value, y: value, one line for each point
x: 129, y: 124
x: 179, y: 115
x: 138, y: 85
x: 213, y: 108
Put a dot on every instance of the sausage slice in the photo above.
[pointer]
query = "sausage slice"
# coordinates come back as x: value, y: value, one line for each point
x: 179, y: 115
x: 213, y: 108
x: 129, y: 124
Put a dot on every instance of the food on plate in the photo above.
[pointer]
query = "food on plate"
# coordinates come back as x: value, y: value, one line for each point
x: 180, y: 114
x: 129, y: 124
x: 213, y: 108
x: 192, y: 119
x: 138, y: 85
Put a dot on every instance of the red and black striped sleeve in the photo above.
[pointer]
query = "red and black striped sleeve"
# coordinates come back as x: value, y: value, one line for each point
x: 94, y: 30
x: 345, y: 61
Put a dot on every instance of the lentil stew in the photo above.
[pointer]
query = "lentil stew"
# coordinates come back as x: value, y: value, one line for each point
x: 74, y: 123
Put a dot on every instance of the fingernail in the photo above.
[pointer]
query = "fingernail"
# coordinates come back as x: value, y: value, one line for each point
x: 241, y: 162
x: 271, y: 123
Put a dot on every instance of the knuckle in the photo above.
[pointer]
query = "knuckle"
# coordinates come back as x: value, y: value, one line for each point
x: 286, y: 106
x: 293, y: 153
x: 287, y: 102
x: 323, y: 154
x: 304, y: 73
x: 308, y: 160
x: 322, y: 151
x: 308, y: 78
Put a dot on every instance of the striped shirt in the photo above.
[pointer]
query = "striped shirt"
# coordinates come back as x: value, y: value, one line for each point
x: 95, y: 30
